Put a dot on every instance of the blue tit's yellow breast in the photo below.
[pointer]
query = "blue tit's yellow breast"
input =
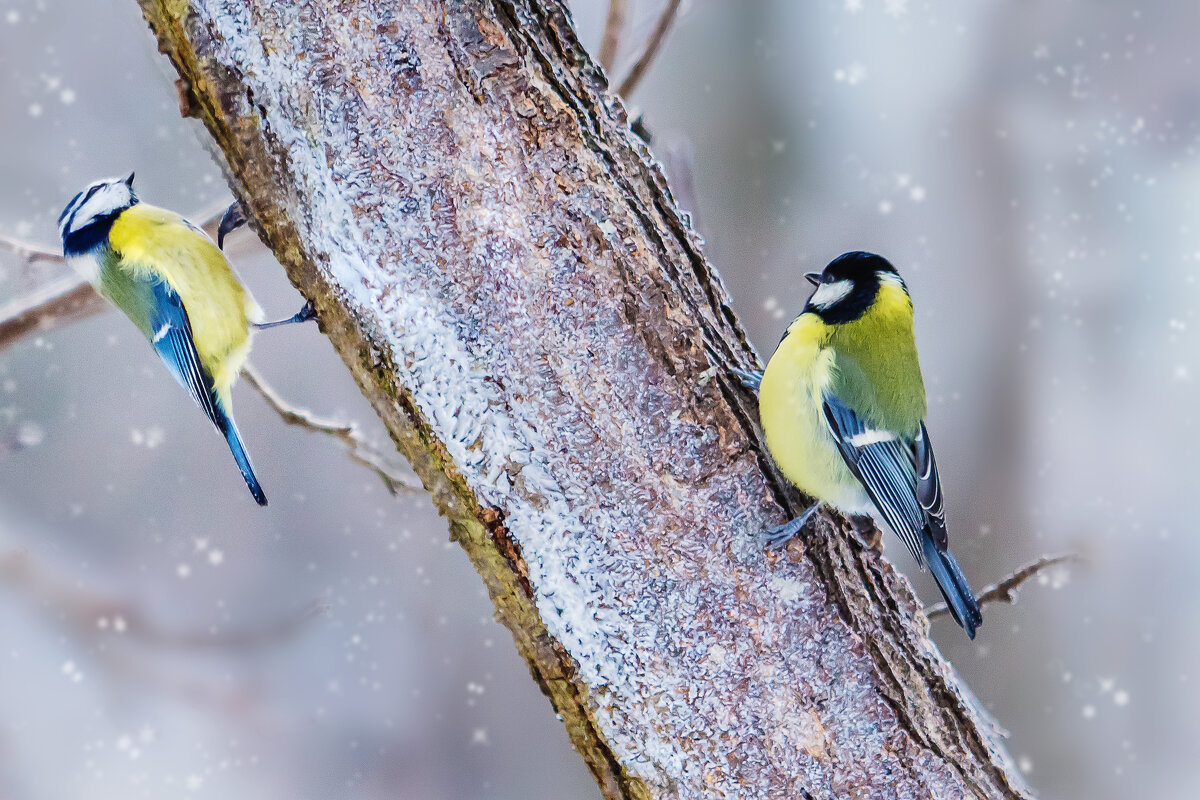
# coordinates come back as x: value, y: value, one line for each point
x: 789, y: 404
x: 151, y: 242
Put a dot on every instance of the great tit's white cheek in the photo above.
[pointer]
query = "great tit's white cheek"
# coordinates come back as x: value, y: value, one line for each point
x: 830, y: 294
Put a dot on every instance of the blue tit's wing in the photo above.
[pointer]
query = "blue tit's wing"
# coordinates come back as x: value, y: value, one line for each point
x: 171, y: 335
x: 886, y: 465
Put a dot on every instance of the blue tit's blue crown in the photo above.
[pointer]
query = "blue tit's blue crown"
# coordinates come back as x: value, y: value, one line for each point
x: 86, y: 220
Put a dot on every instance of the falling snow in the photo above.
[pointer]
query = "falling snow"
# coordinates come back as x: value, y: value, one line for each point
x: 852, y: 75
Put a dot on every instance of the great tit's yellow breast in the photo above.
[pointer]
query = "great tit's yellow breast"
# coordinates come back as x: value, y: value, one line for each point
x: 789, y: 405
x: 154, y: 242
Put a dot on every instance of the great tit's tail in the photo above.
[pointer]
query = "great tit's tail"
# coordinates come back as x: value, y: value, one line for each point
x: 225, y: 424
x: 953, y: 583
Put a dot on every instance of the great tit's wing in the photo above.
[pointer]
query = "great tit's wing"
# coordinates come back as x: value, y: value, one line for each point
x: 929, y: 489
x: 171, y: 335
x: 886, y: 465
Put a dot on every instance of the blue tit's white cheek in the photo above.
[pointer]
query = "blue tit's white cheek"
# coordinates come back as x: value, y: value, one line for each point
x: 830, y: 294
x: 87, y: 265
x: 99, y: 200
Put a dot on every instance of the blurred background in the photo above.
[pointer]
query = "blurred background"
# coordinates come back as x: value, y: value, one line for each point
x: 1032, y: 170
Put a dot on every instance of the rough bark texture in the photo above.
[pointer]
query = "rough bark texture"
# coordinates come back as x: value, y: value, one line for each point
x: 502, y: 267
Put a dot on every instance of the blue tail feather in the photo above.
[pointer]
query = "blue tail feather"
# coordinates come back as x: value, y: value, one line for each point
x: 234, y: 439
x: 953, y: 584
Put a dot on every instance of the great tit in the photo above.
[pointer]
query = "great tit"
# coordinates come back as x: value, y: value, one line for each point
x: 842, y: 405
x: 178, y: 289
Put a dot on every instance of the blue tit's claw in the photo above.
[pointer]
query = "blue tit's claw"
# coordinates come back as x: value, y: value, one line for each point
x: 233, y: 219
x: 303, y: 315
x: 775, y: 538
x: 306, y: 313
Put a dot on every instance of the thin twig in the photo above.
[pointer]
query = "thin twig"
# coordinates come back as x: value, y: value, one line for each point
x: 614, y: 24
x: 356, y: 446
x: 657, y: 36
x: 1006, y: 590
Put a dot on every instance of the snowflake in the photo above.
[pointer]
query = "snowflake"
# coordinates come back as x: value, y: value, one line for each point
x: 895, y: 8
x: 853, y: 6
x: 853, y: 75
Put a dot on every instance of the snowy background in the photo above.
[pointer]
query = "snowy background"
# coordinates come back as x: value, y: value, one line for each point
x: 1032, y: 170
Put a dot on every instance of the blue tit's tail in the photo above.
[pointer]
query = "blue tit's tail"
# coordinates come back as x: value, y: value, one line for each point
x: 953, y: 583
x: 234, y: 439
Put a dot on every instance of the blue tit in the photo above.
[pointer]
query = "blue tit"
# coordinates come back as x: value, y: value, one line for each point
x: 178, y: 289
x: 842, y: 405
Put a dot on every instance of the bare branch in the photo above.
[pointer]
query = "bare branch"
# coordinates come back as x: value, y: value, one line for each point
x: 1006, y: 590
x: 356, y: 446
x: 550, y: 404
x: 614, y: 24
x: 69, y: 299
x: 91, y: 613
x: 650, y: 52
x: 99, y: 622
x: 29, y: 253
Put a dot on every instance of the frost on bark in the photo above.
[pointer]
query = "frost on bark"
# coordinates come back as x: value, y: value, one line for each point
x: 500, y: 263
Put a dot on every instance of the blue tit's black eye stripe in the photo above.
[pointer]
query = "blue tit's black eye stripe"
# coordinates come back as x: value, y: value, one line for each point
x: 70, y: 207
x: 78, y: 201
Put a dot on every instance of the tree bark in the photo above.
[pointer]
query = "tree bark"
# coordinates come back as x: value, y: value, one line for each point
x: 501, y: 265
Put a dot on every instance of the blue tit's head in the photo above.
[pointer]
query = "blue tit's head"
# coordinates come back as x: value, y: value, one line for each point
x: 96, y: 207
x: 849, y: 285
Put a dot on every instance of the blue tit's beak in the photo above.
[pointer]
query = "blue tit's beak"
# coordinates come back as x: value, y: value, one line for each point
x: 814, y: 278
x: 129, y: 181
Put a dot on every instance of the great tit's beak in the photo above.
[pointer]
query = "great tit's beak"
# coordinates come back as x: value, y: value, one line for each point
x: 129, y: 181
x: 814, y: 278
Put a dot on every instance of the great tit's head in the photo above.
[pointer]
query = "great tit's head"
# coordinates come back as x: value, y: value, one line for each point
x: 849, y: 285
x: 103, y: 199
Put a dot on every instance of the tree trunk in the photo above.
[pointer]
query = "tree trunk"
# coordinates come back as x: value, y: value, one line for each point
x: 501, y: 265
